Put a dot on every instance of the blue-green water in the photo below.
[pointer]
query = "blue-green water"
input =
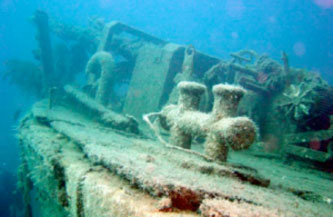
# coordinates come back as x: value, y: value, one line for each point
x: 303, y: 29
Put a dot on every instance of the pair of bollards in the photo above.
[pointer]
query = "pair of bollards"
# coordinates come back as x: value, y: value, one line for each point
x: 221, y: 128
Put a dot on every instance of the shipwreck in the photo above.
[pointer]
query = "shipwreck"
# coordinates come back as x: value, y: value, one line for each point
x: 155, y: 128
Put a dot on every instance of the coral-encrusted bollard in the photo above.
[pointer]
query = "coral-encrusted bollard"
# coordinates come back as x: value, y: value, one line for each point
x: 220, y: 128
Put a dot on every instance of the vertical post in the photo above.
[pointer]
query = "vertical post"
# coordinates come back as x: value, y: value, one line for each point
x: 285, y: 60
x: 43, y: 36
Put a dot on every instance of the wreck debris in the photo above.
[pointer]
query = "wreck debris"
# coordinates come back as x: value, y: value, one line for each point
x: 188, y: 64
x: 312, y: 145
x: 148, y: 88
x: 164, y: 60
x: 89, y: 36
x: 141, y: 52
x: 254, y: 86
x: 269, y: 74
x: 242, y: 69
x: 220, y: 128
x: 101, y: 113
x: 297, y: 101
x: 135, y: 52
x: 267, y: 65
x: 99, y: 70
x: 244, y: 56
x: 226, y: 70
x: 110, y: 38
x: 186, y: 74
x: 215, y: 74
x: 257, y: 73
x: 305, y: 100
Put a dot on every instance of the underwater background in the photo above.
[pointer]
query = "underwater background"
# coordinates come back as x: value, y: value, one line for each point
x: 303, y: 29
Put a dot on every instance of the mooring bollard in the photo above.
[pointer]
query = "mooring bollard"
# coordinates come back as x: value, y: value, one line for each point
x: 221, y: 127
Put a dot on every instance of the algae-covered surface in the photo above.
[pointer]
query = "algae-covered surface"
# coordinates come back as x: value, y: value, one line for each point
x: 142, y: 166
x: 118, y: 122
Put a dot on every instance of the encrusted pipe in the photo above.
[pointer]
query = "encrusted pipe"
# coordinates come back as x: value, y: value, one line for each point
x: 226, y: 100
